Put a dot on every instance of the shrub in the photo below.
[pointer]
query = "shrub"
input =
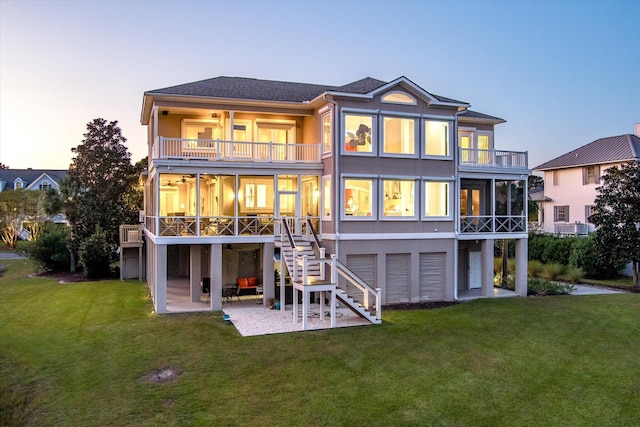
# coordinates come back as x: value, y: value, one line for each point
x: 583, y: 255
x: 534, y: 268
x: 552, y: 271
x: 49, y: 251
x: 574, y: 275
x: 95, y: 256
x: 538, y: 286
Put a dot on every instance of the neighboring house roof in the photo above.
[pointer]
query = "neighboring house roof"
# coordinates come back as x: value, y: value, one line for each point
x: 243, y: 88
x: 537, y: 195
x: 612, y: 149
x: 29, y: 176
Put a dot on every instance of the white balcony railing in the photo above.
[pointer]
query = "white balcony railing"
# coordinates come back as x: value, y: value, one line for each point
x: 572, y: 229
x: 493, y: 224
x: 219, y: 150
x: 493, y: 158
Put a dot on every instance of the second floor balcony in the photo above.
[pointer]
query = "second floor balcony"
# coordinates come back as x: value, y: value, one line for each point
x: 477, y: 159
x: 239, y: 151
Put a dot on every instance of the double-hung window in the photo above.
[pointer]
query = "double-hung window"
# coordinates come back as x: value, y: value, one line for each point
x: 398, y: 198
x: 437, y: 141
x: 358, y: 198
x: 561, y: 213
x: 359, y: 134
x: 399, y: 135
x: 326, y: 133
x: 590, y: 175
x: 437, y: 199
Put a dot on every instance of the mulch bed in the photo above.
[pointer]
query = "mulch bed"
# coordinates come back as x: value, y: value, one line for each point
x: 420, y: 305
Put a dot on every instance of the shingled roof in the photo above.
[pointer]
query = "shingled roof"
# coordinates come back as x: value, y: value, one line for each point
x: 271, y: 90
x: 29, y: 175
x: 612, y: 149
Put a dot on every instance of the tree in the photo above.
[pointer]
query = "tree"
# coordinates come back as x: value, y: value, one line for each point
x: 100, y: 189
x: 617, y: 217
x: 19, y: 209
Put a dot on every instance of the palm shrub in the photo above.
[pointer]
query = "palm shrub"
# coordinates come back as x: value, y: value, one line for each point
x: 95, y: 256
x: 552, y: 271
x: 534, y: 268
x: 574, y: 274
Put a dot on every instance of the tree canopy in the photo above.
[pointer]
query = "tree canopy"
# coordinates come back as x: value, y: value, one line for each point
x: 617, y: 217
x: 100, y: 189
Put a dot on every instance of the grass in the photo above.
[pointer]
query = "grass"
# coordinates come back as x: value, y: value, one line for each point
x: 75, y: 354
x: 619, y: 283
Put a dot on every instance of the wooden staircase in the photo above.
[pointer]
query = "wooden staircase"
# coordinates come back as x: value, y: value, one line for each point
x: 301, y: 257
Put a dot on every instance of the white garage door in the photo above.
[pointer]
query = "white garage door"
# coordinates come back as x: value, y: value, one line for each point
x: 364, y: 266
x: 432, y: 276
x: 398, y: 284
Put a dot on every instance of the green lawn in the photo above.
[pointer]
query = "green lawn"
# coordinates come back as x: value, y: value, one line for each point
x: 75, y: 354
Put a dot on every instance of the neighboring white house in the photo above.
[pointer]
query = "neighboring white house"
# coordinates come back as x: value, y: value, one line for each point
x: 571, y: 180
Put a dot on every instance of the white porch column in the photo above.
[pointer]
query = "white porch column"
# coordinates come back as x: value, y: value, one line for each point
x: 268, y: 285
x: 195, y: 272
x: 487, y: 267
x: 161, y: 279
x: 215, y: 272
x: 522, y: 254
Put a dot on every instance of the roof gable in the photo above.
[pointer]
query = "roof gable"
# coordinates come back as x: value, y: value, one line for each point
x: 29, y: 176
x: 601, y: 151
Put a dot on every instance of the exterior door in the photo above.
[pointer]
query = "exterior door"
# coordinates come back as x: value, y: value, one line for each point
x: 288, y: 207
x: 475, y: 270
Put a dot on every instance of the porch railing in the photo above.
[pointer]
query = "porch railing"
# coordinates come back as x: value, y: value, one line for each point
x: 493, y: 158
x: 572, y: 229
x: 493, y: 224
x: 246, y: 151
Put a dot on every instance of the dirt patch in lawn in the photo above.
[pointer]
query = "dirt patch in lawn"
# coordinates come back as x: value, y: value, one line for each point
x: 419, y: 305
x: 162, y: 375
x: 62, y: 277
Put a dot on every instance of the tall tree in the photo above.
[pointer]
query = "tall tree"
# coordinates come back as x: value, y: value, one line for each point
x: 101, y: 186
x: 18, y: 209
x: 617, y: 217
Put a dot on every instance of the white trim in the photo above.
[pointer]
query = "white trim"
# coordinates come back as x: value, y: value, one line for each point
x: 451, y: 195
x: 360, y: 111
x: 323, y: 196
x: 373, y: 202
x: 413, y: 100
x: 400, y: 114
x: 437, y: 117
x: 452, y: 140
x: 396, y: 236
x: 327, y: 113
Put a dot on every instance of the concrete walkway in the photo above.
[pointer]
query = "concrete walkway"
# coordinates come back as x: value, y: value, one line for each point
x: 594, y: 290
x: 10, y: 255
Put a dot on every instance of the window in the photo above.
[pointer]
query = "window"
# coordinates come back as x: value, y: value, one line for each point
x: 398, y: 135
x: 398, y: 198
x: 590, y: 175
x: 436, y: 138
x: 358, y: 198
x: 195, y: 130
x: 561, y: 213
x: 358, y: 136
x: 326, y: 197
x: 554, y: 175
x: 17, y: 185
x: 44, y: 185
x: 483, y: 149
x: 326, y: 133
x: 397, y: 97
x: 436, y: 199
x: 588, y: 211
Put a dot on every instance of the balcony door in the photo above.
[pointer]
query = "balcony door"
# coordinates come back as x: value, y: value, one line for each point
x: 288, y: 202
x: 274, y: 139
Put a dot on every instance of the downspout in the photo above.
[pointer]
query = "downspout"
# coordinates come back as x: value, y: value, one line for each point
x: 335, y: 150
x: 456, y: 205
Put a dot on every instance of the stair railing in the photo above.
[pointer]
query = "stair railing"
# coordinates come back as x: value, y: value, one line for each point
x: 338, y: 267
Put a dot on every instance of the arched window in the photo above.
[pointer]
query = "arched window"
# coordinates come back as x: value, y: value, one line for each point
x: 397, y: 97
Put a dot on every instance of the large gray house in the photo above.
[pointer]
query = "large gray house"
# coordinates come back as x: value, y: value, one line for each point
x: 376, y: 192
